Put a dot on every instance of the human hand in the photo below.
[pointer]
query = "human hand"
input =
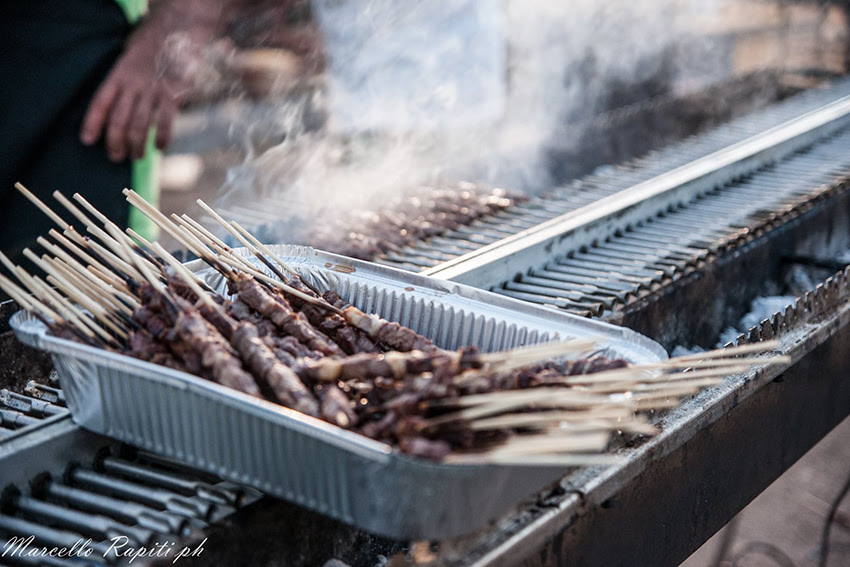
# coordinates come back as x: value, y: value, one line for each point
x: 151, y: 80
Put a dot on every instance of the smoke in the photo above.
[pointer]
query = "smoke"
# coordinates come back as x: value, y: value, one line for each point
x: 435, y: 91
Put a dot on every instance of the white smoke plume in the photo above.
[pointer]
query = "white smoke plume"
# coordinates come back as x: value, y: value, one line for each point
x: 561, y: 62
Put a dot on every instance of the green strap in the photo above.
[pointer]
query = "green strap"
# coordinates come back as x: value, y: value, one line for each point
x: 133, y: 9
x: 145, y: 179
x: 145, y: 176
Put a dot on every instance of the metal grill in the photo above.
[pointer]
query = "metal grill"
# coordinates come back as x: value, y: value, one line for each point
x: 37, y: 403
x: 598, y: 278
x: 137, y: 498
x: 604, y: 183
x: 146, y: 499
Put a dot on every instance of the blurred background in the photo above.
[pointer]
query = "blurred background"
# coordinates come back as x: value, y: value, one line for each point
x: 276, y: 136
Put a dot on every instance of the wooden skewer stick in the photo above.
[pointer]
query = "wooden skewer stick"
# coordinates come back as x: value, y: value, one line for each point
x: 646, y: 387
x: 675, y: 364
x: 221, y: 250
x: 26, y: 279
x: 354, y: 316
x: 266, y: 249
x: 184, y: 238
x: 550, y: 419
x: 203, y: 238
x: 74, y: 280
x: 47, y: 315
x: 69, y: 311
x: 42, y: 207
x: 90, y: 276
x: 529, y: 394
x: 613, y: 414
x: 60, y: 222
x: 151, y: 212
x: 640, y: 375
x: 138, y: 237
x: 36, y: 295
x: 90, y: 225
x: 506, y: 361
x: 114, y: 255
x: 98, y: 269
x: 83, y: 285
x: 56, y: 278
x: 122, y: 269
x: 203, y: 230
x: 113, y: 229
x: 270, y: 265
x: 98, y: 314
x: 100, y: 217
x: 731, y: 351
x: 481, y: 405
x: 91, y: 286
x: 283, y: 287
x: 29, y: 302
x: 551, y: 460
x: 147, y: 275
x: 553, y: 442
x: 225, y: 251
x: 168, y: 256
x: 187, y: 276
x: 244, y: 241
x: 653, y: 373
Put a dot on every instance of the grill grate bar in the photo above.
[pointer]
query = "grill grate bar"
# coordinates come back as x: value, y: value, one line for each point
x: 609, y: 180
x: 672, y: 241
x: 139, y: 496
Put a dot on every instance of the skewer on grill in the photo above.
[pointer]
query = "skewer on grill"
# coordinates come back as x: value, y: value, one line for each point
x: 392, y: 334
x: 502, y: 407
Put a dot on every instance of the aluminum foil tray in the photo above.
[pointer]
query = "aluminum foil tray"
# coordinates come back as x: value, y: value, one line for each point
x: 307, y: 461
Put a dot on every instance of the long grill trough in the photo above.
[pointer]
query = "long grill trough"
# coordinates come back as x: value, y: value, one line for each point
x: 675, y: 245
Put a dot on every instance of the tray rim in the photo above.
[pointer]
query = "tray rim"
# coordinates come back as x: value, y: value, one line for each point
x: 34, y: 332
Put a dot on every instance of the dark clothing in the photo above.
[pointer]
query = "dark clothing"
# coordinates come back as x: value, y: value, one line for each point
x: 53, y: 56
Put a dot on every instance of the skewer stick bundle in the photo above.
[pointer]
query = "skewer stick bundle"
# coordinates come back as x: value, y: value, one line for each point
x: 278, y: 337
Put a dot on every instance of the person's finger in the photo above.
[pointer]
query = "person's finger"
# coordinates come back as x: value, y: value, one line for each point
x: 98, y: 111
x: 116, y: 131
x: 137, y: 132
x: 165, y: 114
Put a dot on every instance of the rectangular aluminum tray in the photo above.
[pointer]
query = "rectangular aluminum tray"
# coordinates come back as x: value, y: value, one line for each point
x: 307, y: 461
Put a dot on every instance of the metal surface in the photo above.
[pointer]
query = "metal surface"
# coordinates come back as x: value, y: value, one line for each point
x: 532, y: 247
x: 676, y: 278
x: 715, y: 455
x: 608, y: 181
x: 47, y: 493
x: 681, y: 277
x: 622, y: 266
x: 312, y: 463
